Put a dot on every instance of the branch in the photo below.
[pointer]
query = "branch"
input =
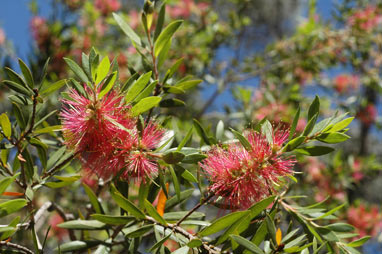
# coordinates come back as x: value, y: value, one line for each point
x: 16, y: 246
x: 210, y: 248
x: 203, y: 201
x: 57, y: 167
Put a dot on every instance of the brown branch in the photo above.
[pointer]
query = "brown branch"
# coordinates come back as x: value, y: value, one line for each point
x: 57, y: 167
x: 16, y: 246
x: 202, y: 202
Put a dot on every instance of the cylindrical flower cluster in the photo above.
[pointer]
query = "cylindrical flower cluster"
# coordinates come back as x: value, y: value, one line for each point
x: 106, y: 137
x: 243, y: 177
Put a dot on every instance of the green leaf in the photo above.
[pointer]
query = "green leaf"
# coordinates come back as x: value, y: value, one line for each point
x: 330, y: 212
x: 314, y: 108
x: 145, y: 104
x: 108, y: 85
x: 173, y: 157
x: 65, y: 181
x: 15, y: 77
x: 171, y: 103
x: 182, y: 250
x: 163, y: 56
x: 160, y: 21
x: 129, y: 81
x: 175, y: 182
x: 102, y: 69
x: 17, y: 87
x: 243, y: 140
x: 146, y: 92
x: 153, y: 212
x: 193, y: 158
x: 11, y: 206
x: 76, y: 245
x: 267, y: 130
x: 175, y: 216
x: 6, y: 181
x: 6, y: 125
x: 112, y: 220
x: 194, y: 243
x: 359, y: 242
x: 241, y: 225
x: 201, y: 132
x: 247, y: 244
x: 294, y: 124
x: 12, y: 228
x: 82, y: 224
x: 189, y: 84
x: 341, y: 125
x: 340, y: 227
x: 47, y: 90
x: 86, y: 65
x: 189, y: 176
x: 222, y: 223
x: 170, y: 203
x: 26, y: 73
x: 310, y: 125
x: 172, y: 70
x: 294, y: 143
x: 126, y: 204
x: 160, y: 243
x: 127, y: 29
x: 77, y: 70
x: 333, y: 138
x: 48, y: 129
x: 185, y: 139
x: 93, y: 198
x: 137, y: 86
x: 314, y: 150
x: 139, y: 231
x: 18, y: 113
x: 166, y: 35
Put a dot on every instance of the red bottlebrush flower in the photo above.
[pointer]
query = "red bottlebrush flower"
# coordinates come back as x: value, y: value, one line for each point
x: 140, y: 167
x: 243, y: 177
x: 368, y: 114
x: 91, y: 127
x: 151, y: 136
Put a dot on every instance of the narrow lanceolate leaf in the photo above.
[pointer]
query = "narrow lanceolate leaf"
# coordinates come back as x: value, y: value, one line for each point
x: 201, y: 132
x: 17, y: 87
x: 314, y: 150
x: 102, y: 69
x: 137, y: 87
x: 82, y: 224
x: 243, y: 140
x: 247, y: 244
x: 93, y: 198
x: 171, y: 103
x: 127, y: 29
x: 314, y: 108
x: 330, y: 212
x: 359, y: 242
x: 166, y: 35
x: 153, y: 212
x: 278, y: 236
x: 341, y: 125
x: 185, y: 139
x: 189, y: 84
x: 145, y: 104
x: 160, y: 21
x: 175, y: 182
x: 294, y: 143
x: 5, y: 182
x: 112, y: 220
x: 77, y: 70
x: 310, y: 125
x: 51, y: 88
x: 294, y: 124
x: 11, y: 206
x: 159, y: 244
x: 222, y: 223
x: 108, y: 85
x: 6, y: 125
x: 126, y: 204
x: 26, y: 73
x: 333, y: 138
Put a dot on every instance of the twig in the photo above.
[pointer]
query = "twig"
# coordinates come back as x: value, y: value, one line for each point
x: 210, y: 248
x: 57, y: 167
x: 205, y: 200
x: 16, y: 246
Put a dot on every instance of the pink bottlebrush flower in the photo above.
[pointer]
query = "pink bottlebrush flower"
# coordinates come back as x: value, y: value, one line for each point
x: 140, y: 167
x: 92, y: 125
x: 243, y: 177
x: 151, y: 136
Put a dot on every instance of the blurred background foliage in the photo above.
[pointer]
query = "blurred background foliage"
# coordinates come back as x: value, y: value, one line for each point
x: 257, y: 59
